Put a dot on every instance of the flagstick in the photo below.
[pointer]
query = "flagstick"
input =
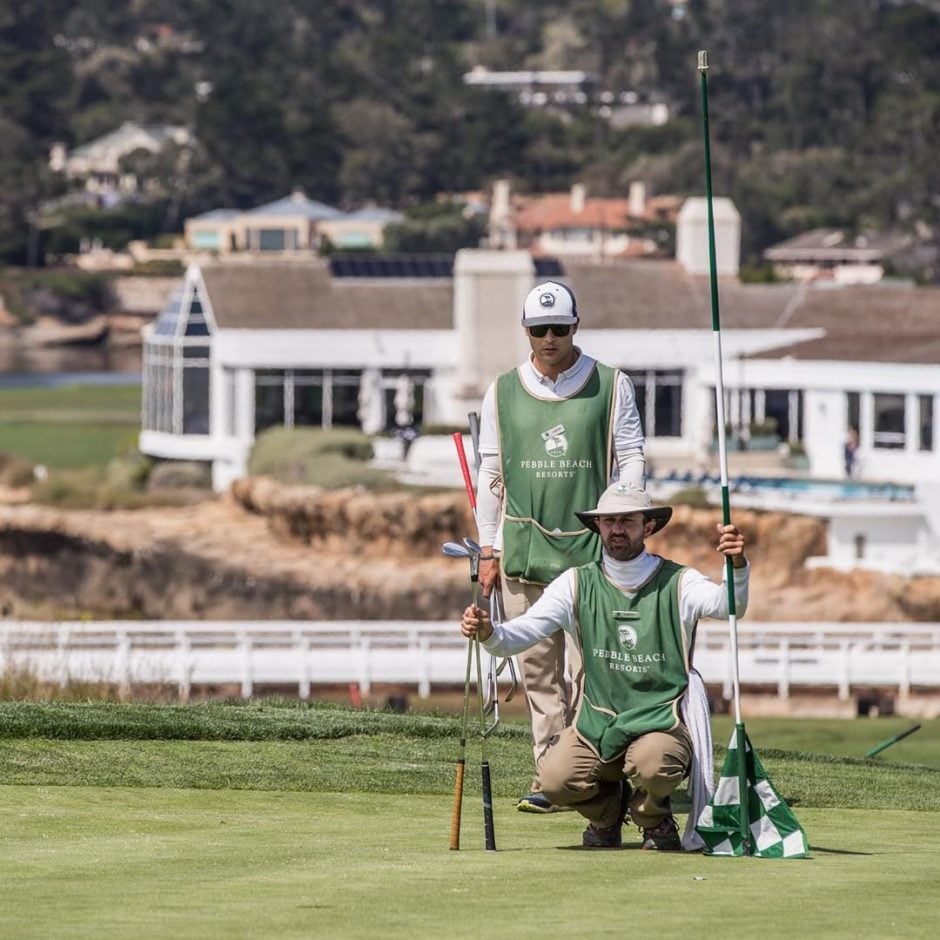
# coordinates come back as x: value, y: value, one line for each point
x: 740, y: 736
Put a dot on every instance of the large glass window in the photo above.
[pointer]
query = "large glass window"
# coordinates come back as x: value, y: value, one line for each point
x: 925, y: 413
x: 269, y: 398
x: 207, y: 240
x: 853, y: 401
x: 271, y: 239
x: 889, y: 425
x: 308, y: 398
x: 176, y: 366
x: 346, y: 397
x: 659, y: 401
x: 195, y: 389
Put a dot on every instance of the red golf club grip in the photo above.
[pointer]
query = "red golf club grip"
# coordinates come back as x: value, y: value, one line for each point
x: 488, y: 831
x: 465, y: 469
x: 455, y: 813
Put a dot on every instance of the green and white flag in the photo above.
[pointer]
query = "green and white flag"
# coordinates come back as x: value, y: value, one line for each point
x: 775, y: 831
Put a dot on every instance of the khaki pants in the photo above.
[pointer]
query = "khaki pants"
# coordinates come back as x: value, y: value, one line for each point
x: 552, y: 696
x: 655, y: 764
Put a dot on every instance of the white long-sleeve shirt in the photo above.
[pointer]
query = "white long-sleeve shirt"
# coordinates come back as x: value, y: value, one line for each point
x: 556, y: 609
x: 629, y: 463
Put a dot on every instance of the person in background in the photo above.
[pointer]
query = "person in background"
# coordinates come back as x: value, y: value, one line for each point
x: 850, y: 450
x: 633, y: 615
x: 554, y: 432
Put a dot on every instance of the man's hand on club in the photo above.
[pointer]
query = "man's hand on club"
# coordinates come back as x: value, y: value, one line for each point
x: 476, y: 623
x: 489, y: 574
x: 731, y: 544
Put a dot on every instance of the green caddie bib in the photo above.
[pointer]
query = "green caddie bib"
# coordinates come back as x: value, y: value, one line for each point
x: 636, y: 658
x: 555, y: 458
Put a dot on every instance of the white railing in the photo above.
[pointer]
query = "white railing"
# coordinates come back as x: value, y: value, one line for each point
x: 841, y: 656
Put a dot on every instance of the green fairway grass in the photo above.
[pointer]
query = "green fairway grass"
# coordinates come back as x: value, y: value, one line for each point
x: 70, y: 426
x: 91, y: 862
x: 284, y: 820
x: 840, y: 736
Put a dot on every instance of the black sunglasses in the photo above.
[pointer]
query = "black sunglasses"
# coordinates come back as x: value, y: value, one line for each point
x: 558, y: 329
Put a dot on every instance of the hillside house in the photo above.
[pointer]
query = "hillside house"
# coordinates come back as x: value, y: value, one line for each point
x: 97, y: 162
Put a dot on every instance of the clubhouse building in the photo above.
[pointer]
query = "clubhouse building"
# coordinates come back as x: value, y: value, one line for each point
x: 382, y: 343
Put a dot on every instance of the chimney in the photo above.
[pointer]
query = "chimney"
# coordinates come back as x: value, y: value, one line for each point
x: 57, y: 156
x: 578, y: 194
x: 502, y: 233
x: 637, y: 199
x: 692, y: 236
x: 490, y: 288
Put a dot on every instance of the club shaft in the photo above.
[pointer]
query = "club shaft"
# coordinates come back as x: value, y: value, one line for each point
x: 886, y: 744
x: 462, y: 757
x: 465, y: 470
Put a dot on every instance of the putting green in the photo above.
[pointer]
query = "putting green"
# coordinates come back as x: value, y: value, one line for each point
x: 115, y: 862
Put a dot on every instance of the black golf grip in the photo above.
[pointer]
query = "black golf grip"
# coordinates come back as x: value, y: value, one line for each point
x: 489, y: 834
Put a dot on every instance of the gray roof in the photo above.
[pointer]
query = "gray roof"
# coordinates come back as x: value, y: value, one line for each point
x: 219, y: 215
x: 121, y: 136
x: 829, y: 244
x: 304, y: 296
x: 374, y: 214
x: 878, y: 323
x: 660, y: 295
x: 297, y: 204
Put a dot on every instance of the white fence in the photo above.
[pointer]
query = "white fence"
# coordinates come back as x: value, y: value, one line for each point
x: 841, y: 656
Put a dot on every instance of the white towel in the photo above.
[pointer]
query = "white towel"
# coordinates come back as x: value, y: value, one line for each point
x: 694, y: 708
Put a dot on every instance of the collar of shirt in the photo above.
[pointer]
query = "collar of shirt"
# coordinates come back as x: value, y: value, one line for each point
x: 570, y: 379
x: 629, y: 575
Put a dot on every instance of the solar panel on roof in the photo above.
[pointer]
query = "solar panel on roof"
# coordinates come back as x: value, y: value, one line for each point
x: 417, y: 266
x: 548, y: 267
x: 392, y: 266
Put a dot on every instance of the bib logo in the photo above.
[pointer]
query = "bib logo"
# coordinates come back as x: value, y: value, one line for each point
x: 627, y: 636
x: 556, y: 443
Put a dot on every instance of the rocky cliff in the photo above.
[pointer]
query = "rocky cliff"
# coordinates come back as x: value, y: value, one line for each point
x: 269, y: 551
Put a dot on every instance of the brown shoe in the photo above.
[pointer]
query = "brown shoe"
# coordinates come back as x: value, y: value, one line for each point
x: 664, y: 836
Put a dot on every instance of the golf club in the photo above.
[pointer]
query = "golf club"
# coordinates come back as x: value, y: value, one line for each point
x: 471, y: 550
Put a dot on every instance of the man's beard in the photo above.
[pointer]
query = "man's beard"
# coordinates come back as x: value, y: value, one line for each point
x: 624, y: 551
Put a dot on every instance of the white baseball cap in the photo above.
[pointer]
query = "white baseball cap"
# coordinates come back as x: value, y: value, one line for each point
x: 550, y: 302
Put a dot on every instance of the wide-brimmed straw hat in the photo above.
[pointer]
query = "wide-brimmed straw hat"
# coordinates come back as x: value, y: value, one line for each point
x: 622, y: 498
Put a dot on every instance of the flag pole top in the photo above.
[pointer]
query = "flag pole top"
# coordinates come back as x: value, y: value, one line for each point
x: 703, y: 60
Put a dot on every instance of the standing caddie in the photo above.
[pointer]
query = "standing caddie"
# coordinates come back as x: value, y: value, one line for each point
x: 634, y: 616
x: 554, y: 432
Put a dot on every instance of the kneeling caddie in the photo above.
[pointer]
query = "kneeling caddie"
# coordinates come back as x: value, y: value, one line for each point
x: 634, y: 615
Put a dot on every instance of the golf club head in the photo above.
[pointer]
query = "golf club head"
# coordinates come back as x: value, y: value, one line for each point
x: 490, y: 690
x: 473, y: 546
x: 489, y: 730
x: 455, y: 550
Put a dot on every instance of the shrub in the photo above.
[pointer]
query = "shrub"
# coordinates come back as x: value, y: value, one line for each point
x: 129, y: 471
x: 693, y: 496
x: 331, y: 459
x: 765, y: 428
x: 444, y: 429
x: 15, y: 471
x: 180, y: 474
x: 103, y: 488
